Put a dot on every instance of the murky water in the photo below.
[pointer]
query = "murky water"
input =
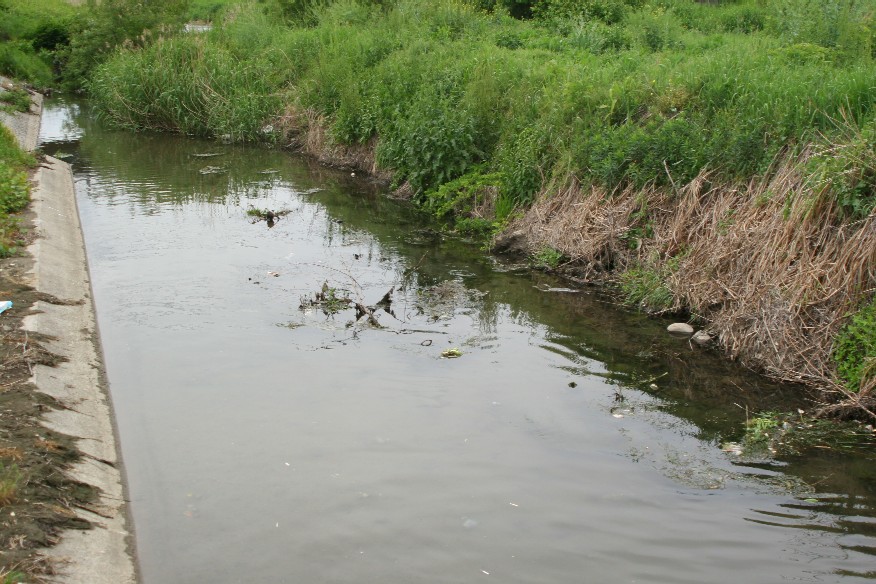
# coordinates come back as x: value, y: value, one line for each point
x: 266, y: 443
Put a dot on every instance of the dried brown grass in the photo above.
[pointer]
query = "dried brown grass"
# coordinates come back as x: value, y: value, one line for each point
x: 769, y: 265
x: 307, y: 131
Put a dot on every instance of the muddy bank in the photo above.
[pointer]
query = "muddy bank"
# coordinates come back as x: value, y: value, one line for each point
x: 769, y: 269
x: 57, y: 440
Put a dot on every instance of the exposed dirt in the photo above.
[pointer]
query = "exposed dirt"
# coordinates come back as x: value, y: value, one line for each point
x: 36, y: 496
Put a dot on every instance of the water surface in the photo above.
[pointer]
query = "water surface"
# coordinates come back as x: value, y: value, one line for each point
x: 264, y: 442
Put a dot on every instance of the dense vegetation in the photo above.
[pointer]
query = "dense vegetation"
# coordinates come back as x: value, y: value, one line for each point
x: 483, y: 110
x: 14, y: 189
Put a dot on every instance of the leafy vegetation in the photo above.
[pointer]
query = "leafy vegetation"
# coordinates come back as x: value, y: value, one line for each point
x: 855, y: 349
x: 14, y: 189
x: 618, y: 92
x: 14, y: 100
x: 30, y: 30
x: 548, y: 258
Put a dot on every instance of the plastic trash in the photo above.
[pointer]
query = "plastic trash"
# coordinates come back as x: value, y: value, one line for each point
x: 5, y: 305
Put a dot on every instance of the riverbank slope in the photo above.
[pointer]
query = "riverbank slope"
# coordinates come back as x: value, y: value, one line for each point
x: 711, y: 160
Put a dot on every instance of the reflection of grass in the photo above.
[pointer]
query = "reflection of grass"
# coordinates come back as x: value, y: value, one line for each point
x: 10, y: 481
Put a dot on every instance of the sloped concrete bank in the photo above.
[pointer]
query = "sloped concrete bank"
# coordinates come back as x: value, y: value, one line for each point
x: 103, y: 554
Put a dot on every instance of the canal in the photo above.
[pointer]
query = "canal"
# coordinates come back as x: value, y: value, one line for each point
x: 486, y: 422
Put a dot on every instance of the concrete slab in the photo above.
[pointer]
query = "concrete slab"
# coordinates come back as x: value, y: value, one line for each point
x: 103, y: 555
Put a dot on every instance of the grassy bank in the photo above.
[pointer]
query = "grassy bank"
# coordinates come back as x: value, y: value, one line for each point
x: 714, y: 158
x: 14, y: 189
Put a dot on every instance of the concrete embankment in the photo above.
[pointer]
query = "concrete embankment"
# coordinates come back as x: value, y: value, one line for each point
x: 103, y: 554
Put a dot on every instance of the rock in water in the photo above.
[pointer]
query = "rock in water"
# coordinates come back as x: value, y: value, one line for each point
x: 681, y: 329
x: 702, y: 338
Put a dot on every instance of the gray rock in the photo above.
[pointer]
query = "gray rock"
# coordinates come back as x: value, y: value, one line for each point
x: 681, y: 329
x: 702, y: 338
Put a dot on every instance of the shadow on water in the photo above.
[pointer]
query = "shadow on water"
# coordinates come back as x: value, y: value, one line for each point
x: 661, y: 379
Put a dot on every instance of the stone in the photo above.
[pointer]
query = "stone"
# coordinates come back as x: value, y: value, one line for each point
x: 702, y: 338
x: 681, y: 329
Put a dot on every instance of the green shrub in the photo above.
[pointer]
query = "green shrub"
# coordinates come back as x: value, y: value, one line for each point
x: 14, y: 189
x: 432, y: 143
x: 97, y: 33
x: 17, y: 60
x: 459, y: 199
x: 854, y: 350
x: 845, y: 170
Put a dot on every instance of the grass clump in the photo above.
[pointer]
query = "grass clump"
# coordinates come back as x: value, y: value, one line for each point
x: 646, y: 288
x: 15, y: 100
x: 10, y: 482
x: 548, y: 258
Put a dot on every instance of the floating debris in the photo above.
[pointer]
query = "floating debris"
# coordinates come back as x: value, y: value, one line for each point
x: 451, y: 353
x: 207, y: 154
x: 330, y: 300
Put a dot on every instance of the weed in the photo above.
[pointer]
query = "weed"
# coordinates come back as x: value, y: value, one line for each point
x: 548, y: 258
x: 15, y: 100
x: 854, y: 350
x: 12, y: 577
x: 463, y: 199
x: 646, y: 288
x: 785, y: 433
x: 761, y: 427
x: 14, y: 189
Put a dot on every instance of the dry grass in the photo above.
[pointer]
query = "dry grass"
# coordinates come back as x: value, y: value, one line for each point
x: 769, y: 265
x: 12, y: 453
x: 307, y: 131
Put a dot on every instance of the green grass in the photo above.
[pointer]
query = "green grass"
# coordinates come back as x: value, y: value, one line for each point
x: 207, y: 10
x: 14, y: 189
x: 855, y: 349
x: 15, y: 100
x: 29, y: 31
x: 10, y: 481
x: 652, y: 96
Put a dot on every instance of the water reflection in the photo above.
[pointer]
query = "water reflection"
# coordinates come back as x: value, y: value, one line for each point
x: 570, y: 438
